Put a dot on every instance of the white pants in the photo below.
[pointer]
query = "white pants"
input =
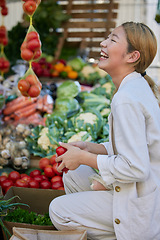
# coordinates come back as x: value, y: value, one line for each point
x: 84, y: 208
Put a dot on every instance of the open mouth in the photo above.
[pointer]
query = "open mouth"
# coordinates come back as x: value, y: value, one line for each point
x: 104, y: 55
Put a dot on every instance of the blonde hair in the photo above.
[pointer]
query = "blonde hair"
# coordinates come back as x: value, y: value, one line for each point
x: 141, y: 38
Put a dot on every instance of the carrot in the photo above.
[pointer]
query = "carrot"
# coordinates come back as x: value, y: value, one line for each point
x: 15, y: 101
x: 24, y: 102
x: 25, y: 112
x: 40, y: 103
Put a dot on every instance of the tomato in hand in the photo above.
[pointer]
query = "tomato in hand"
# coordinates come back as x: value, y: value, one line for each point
x: 60, y: 150
x: 14, y: 175
x: 55, y: 169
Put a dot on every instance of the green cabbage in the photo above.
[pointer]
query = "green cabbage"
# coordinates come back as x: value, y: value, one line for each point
x: 68, y: 89
x: 77, y: 64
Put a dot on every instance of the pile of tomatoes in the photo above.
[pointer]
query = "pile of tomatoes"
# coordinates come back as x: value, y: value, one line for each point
x: 48, y: 178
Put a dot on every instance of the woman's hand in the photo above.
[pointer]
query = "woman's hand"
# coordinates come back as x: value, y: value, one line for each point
x: 81, y: 145
x: 71, y: 158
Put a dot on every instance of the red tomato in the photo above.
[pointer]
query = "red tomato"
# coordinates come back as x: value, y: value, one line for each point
x: 29, y: 7
x: 48, y: 171
x: 43, y: 162
x: 23, y: 175
x: 56, y: 185
x: 60, y: 150
x: 34, y: 91
x: 14, y: 175
x: 60, y: 188
x: 55, y: 169
x: 6, y: 184
x: 34, y: 173
x: 2, y: 178
x: 32, y: 35
x: 34, y: 45
x: 56, y: 179
x: 45, y: 184
x: 37, y: 54
x: 21, y: 183
x: 26, y: 54
x: 45, y: 177
x: 27, y: 178
x: 53, y: 159
x: 23, y: 85
x: 33, y: 184
x: 39, y: 178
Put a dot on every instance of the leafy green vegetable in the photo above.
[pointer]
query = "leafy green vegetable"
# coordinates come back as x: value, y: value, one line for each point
x: 68, y: 89
x: 24, y: 216
x: 5, y: 207
x: 91, y: 100
x: 66, y: 105
x: 76, y: 63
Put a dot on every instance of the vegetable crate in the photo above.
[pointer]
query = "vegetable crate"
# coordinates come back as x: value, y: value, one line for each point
x: 38, y: 201
x: 90, y: 23
x: 27, y: 234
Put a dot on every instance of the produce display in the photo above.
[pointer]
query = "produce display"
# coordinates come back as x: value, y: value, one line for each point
x: 44, y: 177
x: 77, y: 115
x: 74, y: 69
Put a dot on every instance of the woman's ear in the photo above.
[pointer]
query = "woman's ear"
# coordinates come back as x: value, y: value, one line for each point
x: 133, y: 56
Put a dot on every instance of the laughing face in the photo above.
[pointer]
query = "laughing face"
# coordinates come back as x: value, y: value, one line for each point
x: 114, y: 51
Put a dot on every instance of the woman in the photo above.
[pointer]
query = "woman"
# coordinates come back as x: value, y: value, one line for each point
x: 129, y: 163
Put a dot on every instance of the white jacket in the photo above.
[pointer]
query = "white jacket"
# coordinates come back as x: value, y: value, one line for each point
x: 133, y: 161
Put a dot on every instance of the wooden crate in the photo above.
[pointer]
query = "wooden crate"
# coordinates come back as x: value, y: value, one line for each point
x: 90, y: 23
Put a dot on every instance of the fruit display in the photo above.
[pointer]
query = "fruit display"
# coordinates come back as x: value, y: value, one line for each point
x: 44, y: 177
